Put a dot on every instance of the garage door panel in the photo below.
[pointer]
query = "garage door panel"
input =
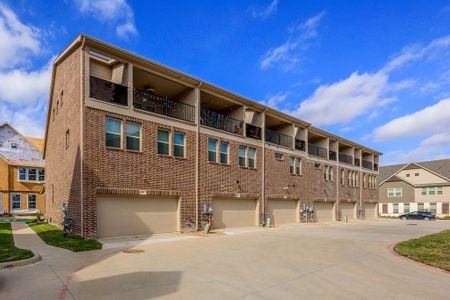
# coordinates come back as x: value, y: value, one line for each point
x: 324, y: 211
x: 127, y: 216
x: 285, y: 211
x: 348, y: 210
x: 370, y: 210
x: 234, y: 213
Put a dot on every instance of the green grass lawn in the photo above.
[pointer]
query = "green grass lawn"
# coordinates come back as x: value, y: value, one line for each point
x: 9, y: 252
x: 54, y: 236
x: 433, y: 249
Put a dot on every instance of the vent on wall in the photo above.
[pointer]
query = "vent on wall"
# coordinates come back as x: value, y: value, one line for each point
x: 318, y: 166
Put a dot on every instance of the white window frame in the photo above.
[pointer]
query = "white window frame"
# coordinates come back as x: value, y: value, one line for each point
x: 245, y: 156
x: 27, y: 172
x: 163, y: 142
x: 227, y: 153
x: 114, y: 133
x: 392, y: 192
x: 139, y: 138
x: 28, y: 200
x: 254, y: 157
x: 298, y: 166
x: 215, y: 150
x: 15, y: 147
x: 11, y: 201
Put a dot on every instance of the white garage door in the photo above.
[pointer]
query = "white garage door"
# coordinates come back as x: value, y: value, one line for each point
x: 371, y: 210
x: 130, y: 216
x: 234, y: 212
x: 323, y: 211
x: 283, y: 210
x: 347, y: 210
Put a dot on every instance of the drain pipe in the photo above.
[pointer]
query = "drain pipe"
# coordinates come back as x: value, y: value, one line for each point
x: 197, y: 156
x: 263, y: 179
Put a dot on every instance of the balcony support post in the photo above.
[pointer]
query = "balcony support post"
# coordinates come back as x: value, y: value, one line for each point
x: 130, y: 85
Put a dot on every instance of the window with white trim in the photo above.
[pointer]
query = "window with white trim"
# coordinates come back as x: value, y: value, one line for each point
x: 32, y: 201
x: 31, y: 174
x: 163, y: 142
x: 212, y: 150
x: 278, y: 156
x: 16, y: 201
x: 342, y: 177
x: 252, y: 158
x: 394, y: 192
x: 22, y: 174
x: 432, y: 190
x: 242, y: 155
x: 224, y: 153
x: 14, y: 146
x: 178, y: 144
x: 113, y: 136
x: 133, y: 136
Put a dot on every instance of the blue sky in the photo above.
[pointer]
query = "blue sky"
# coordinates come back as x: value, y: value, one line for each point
x: 377, y: 73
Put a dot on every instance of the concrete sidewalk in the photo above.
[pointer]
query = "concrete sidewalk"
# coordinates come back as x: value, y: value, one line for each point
x: 26, y: 238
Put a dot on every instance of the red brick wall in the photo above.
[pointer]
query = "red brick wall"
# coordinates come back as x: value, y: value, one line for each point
x: 63, y: 173
x: 217, y: 178
x: 110, y: 168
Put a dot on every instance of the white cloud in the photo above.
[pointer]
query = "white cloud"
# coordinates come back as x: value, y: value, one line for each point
x: 364, y: 94
x: 23, y: 91
x: 433, y: 147
x: 275, y: 100
x: 433, y: 119
x: 17, y: 40
x: 117, y: 12
x: 288, y: 54
x: 342, y: 101
x: 264, y: 12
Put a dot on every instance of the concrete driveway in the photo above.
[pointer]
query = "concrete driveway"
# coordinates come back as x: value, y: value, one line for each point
x: 289, y: 262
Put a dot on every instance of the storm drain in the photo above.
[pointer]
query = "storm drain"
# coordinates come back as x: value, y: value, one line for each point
x: 133, y: 251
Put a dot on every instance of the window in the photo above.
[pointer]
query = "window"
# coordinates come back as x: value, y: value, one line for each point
x: 163, y: 142
x: 133, y: 136
x: 433, y: 208
x: 291, y: 165
x: 278, y: 156
x: 439, y: 190
x: 223, y: 153
x: 357, y: 179
x: 22, y: 174
x: 395, y: 208
x: 407, y: 175
x: 32, y: 201
x: 67, y: 139
x: 325, y: 173
x: 406, y: 208
x: 178, y: 144
x: 394, y: 192
x: 416, y: 174
x: 342, y: 177
x: 113, y: 133
x: 212, y: 150
x: 32, y: 174
x: 298, y: 168
x: 252, y: 158
x: 420, y: 206
x: 242, y: 154
x: 365, y: 181
x: 14, y: 146
x: 330, y: 174
x: 431, y: 191
x: 41, y: 175
x: 424, y: 191
x: 16, y: 201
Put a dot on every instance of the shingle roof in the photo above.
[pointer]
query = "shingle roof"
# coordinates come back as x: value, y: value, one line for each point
x: 441, y: 167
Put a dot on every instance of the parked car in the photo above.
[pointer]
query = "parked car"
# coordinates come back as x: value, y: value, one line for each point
x: 418, y: 215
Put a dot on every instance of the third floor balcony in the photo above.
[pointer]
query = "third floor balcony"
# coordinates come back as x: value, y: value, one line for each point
x: 278, y: 138
x: 345, y: 158
x: 317, y: 151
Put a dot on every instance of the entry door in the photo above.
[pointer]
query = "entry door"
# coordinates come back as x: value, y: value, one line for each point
x: 16, y: 201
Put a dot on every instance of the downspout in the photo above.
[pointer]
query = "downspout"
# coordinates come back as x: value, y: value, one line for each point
x: 338, y: 178
x: 197, y: 156
x: 263, y: 181
x: 83, y: 64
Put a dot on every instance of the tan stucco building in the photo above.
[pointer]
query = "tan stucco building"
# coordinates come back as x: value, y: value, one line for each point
x: 415, y: 186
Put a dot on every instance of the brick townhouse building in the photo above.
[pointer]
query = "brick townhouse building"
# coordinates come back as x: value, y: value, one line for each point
x: 134, y: 147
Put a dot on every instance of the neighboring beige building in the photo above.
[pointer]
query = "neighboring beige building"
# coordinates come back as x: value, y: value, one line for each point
x: 415, y: 186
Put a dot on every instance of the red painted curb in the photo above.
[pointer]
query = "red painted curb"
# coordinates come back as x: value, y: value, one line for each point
x: 391, y: 249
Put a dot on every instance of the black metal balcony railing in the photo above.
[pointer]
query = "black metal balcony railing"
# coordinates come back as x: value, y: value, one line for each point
x: 300, y: 145
x: 163, y: 105
x: 253, y: 131
x: 108, y: 91
x: 375, y: 167
x: 332, y: 155
x: 219, y: 121
x: 357, y: 162
x: 317, y: 150
x: 281, y: 139
x: 345, y: 158
x: 367, y: 164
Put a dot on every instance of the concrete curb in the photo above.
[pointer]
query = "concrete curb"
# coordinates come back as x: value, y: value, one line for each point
x: 23, y: 262
x: 395, y: 253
